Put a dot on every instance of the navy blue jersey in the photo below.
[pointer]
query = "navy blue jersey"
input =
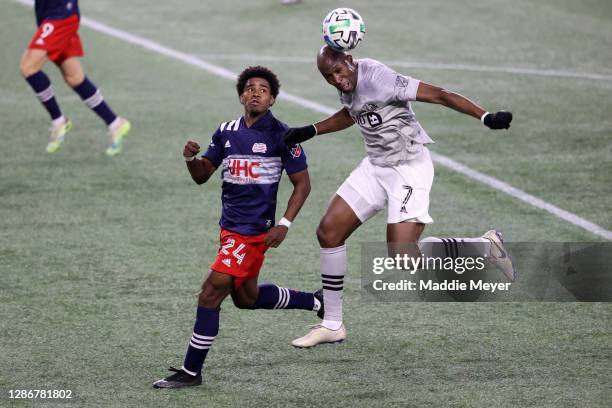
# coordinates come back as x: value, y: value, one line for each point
x: 55, y: 9
x: 251, y: 161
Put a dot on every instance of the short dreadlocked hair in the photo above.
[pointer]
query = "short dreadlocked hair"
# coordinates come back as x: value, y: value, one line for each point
x: 258, y: 72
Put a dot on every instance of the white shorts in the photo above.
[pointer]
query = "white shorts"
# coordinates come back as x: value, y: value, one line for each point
x: 403, y: 189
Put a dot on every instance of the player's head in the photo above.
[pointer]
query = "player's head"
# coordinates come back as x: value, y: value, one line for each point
x: 257, y: 88
x: 337, y: 68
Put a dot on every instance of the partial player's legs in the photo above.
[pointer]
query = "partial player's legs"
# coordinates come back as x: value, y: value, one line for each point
x: 490, y: 245
x: 233, y: 272
x: 31, y: 66
x: 75, y: 77
x: 214, y: 289
x: 402, y: 236
x: 338, y: 223
x: 335, y: 227
x: 247, y: 295
x: 250, y: 295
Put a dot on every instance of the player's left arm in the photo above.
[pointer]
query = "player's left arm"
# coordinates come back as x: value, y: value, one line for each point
x: 334, y: 123
x: 301, y: 190
x: 434, y: 94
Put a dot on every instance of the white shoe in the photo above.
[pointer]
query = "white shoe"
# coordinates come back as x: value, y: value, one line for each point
x: 58, y: 133
x: 498, y: 255
x: 319, y: 335
x: 117, y: 135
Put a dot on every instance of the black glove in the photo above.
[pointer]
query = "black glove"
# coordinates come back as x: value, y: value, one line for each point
x: 299, y: 135
x: 498, y: 120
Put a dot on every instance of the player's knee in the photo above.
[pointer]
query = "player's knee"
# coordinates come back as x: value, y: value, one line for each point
x: 210, y: 299
x: 74, y: 79
x: 27, y: 68
x: 328, y: 236
x: 213, y: 292
x: 241, y: 303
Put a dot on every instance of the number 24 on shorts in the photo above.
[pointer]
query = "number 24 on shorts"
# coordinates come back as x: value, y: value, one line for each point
x: 225, y: 250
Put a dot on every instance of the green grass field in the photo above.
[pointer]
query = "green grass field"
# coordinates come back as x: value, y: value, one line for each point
x: 101, y: 259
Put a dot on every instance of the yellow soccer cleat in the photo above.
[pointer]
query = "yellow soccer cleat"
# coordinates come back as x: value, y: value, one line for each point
x: 498, y: 255
x: 320, y: 335
x: 117, y: 136
x: 57, y: 135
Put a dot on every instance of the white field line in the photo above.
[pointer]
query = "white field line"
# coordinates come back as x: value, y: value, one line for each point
x: 438, y: 158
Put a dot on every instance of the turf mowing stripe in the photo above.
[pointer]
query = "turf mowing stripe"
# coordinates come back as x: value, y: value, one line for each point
x: 438, y: 158
x: 427, y: 65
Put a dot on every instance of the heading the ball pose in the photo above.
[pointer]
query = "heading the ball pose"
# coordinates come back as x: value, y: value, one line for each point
x: 397, y: 172
x: 252, y: 156
x: 57, y: 40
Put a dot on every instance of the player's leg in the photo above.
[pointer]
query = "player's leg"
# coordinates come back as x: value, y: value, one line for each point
x: 490, y: 246
x: 402, y: 237
x: 251, y: 295
x: 358, y: 199
x: 247, y: 294
x: 338, y: 223
x: 74, y: 76
x: 407, y: 231
x: 408, y: 187
x: 214, y: 290
x: 335, y: 227
x: 31, y: 65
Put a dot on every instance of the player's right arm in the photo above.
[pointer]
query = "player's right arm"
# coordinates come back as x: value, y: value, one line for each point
x: 199, y: 169
x: 336, y: 122
x: 435, y: 94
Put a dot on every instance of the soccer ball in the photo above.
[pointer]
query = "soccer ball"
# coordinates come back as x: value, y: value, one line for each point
x: 343, y: 29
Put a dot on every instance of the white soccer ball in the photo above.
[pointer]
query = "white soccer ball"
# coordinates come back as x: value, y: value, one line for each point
x: 343, y: 29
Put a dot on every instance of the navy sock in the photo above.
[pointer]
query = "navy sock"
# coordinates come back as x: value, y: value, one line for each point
x: 204, y: 332
x: 41, y: 84
x: 94, y: 100
x: 274, y: 297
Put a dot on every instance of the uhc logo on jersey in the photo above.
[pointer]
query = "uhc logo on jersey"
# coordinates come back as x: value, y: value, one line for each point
x: 246, y: 169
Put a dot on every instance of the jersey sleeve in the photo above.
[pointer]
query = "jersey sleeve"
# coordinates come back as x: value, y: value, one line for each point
x: 215, y: 151
x: 293, y: 158
x: 394, y: 87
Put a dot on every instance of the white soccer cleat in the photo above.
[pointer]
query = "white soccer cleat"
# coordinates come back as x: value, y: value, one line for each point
x: 498, y: 255
x: 319, y: 335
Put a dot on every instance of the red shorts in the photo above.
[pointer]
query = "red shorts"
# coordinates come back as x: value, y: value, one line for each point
x: 59, y: 38
x: 240, y: 255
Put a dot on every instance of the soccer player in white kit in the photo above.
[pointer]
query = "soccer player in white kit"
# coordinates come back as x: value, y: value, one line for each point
x: 397, y: 172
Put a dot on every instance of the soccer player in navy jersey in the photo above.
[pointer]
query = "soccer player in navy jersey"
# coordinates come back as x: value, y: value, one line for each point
x: 57, y: 40
x: 252, y: 155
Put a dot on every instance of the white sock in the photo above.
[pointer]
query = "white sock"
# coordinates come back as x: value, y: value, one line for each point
x: 333, y: 269
x: 58, y: 121
x: 455, y: 247
x: 331, y: 324
x: 114, y: 124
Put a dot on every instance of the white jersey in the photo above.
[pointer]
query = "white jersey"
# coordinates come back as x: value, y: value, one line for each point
x: 380, y: 105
